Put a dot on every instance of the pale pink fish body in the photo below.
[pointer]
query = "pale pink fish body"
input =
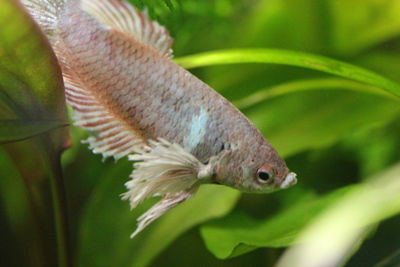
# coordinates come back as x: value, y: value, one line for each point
x: 124, y: 87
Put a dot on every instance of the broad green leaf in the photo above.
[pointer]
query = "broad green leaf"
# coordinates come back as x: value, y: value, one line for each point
x: 32, y: 95
x: 31, y: 86
x: 293, y: 58
x: 108, y: 222
x: 333, y: 235
x: 16, y: 130
x: 238, y: 233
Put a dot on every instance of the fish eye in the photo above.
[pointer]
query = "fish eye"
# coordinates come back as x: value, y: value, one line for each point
x: 264, y: 175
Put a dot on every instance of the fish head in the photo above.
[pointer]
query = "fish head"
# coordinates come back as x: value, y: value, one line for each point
x: 259, y: 171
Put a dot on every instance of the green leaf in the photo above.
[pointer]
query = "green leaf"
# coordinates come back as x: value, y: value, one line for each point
x: 238, y: 233
x: 17, y: 130
x: 307, y: 85
x: 293, y: 58
x: 32, y: 96
x: 332, y: 236
x: 31, y: 86
x: 107, y: 214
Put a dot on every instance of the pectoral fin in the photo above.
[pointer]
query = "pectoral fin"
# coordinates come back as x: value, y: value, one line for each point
x: 163, y: 169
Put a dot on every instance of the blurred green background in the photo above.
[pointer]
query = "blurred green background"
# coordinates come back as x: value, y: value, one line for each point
x: 333, y: 133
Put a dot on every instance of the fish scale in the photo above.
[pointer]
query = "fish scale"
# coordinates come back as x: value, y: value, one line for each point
x: 124, y: 87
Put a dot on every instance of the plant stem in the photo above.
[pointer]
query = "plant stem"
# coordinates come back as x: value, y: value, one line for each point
x: 60, y: 210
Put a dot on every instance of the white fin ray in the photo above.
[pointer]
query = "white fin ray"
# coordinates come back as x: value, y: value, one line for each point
x: 114, y: 138
x: 163, y: 169
x: 127, y: 19
x: 160, y: 208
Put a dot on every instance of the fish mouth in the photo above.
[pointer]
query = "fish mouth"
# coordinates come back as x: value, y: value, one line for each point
x: 289, y: 180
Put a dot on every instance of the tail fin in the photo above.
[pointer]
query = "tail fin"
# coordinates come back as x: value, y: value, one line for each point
x: 46, y: 14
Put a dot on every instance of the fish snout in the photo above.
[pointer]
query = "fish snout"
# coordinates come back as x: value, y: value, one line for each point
x: 289, y: 180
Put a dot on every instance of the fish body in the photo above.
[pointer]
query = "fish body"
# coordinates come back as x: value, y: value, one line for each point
x: 124, y: 87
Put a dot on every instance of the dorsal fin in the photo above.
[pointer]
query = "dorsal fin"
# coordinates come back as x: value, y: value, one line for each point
x: 125, y: 18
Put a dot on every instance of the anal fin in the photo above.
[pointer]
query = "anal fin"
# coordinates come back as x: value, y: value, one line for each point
x: 161, y: 207
x: 113, y: 137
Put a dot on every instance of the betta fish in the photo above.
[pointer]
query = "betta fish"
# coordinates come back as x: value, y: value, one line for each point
x: 124, y: 87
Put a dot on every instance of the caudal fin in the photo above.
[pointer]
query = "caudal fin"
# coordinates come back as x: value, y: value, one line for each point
x: 46, y: 14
